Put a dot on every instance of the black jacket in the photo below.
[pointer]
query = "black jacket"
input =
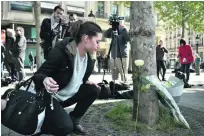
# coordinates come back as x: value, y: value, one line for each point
x: 160, y: 52
x: 59, y: 65
x: 46, y: 33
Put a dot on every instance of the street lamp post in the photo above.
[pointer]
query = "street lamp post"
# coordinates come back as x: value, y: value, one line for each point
x: 197, y: 42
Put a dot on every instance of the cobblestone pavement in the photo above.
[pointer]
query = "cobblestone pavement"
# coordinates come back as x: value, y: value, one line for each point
x: 99, y: 126
x: 96, y: 123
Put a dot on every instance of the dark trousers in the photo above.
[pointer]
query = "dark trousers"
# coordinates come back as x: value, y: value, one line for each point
x: 161, y: 64
x: 2, y: 69
x: 185, y: 68
x: 20, y: 68
x: 13, y: 72
x: 46, y: 52
x: 99, y: 67
x: 57, y: 122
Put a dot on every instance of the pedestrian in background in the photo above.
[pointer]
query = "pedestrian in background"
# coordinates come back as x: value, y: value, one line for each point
x: 31, y: 60
x: 160, y: 50
x: 3, y: 38
x: 2, y: 60
x: 197, y: 64
x: 10, y: 61
x: 100, y: 62
x: 185, y: 54
x: 51, y: 30
x: 19, y: 52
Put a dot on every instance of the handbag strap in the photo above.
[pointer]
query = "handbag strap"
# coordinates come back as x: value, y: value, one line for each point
x: 29, y: 81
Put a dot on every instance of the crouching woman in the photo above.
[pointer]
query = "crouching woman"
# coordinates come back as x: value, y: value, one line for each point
x: 65, y: 75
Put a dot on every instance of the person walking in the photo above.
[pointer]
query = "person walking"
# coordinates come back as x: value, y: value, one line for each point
x: 197, y: 64
x: 185, y: 54
x: 160, y: 50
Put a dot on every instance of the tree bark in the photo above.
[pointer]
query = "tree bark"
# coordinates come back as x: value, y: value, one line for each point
x: 183, y: 28
x: 143, y: 47
x: 37, y: 14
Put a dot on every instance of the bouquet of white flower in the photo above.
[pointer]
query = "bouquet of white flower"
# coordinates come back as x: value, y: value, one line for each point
x: 168, y: 84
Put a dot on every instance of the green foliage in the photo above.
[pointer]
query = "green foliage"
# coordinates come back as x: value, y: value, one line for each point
x: 174, y: 12
x: 126, y: 3
x: 119, y: 112
x: 121, y: 115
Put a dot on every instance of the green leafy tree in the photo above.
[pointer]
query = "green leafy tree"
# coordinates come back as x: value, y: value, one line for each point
x: 186, y: 14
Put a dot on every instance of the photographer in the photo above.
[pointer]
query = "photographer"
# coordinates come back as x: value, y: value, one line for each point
x: 65, y: 76
x: 51, y: 29
x: 116, y: 54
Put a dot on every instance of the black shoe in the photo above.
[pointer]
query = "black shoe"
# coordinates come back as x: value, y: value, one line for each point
x: 163, y: 79
x: 78, y: 129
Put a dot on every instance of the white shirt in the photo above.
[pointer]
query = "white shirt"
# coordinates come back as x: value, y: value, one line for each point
x: 80, y: 65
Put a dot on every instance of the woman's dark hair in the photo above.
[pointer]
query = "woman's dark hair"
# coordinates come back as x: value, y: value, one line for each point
x: 58, y: 7
x: 182, y: 41
x: 78, y: 29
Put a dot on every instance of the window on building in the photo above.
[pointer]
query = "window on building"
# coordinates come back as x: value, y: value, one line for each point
x: 115, y: 9
x: 189, y: 40
x: 100, y: 10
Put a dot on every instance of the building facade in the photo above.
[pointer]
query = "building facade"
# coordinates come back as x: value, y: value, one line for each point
x: 20, y: 13
x: 172, y: 42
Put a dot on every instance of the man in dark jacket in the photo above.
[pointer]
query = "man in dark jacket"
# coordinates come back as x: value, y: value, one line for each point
x: 160, y: 59
x: 115, y: 62
x: 19, y: 52
x: 51, y: 30
x: 65, y: 76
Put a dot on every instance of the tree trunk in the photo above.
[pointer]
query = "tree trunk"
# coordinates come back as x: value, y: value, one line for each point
x: 183, y: 28
x: 37, y: 14
x: 143, y: 46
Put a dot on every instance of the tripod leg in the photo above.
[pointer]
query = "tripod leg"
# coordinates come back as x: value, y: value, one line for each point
x: 114, y: 69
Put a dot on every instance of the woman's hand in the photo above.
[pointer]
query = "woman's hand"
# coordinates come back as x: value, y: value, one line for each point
x: 50, y: 85
x: 92, y: 83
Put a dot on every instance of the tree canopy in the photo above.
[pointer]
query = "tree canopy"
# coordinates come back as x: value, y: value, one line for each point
x: 186, y: 14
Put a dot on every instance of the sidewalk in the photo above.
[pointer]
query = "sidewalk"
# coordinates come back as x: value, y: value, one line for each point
x: 192, y: 98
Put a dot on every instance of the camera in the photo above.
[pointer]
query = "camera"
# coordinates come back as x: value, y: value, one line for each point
x: 114, y: 21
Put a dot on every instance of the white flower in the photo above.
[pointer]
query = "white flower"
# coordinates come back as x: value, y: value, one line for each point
x: 139, y: 63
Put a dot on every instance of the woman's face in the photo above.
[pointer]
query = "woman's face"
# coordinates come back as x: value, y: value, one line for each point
x: 92, y: 43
